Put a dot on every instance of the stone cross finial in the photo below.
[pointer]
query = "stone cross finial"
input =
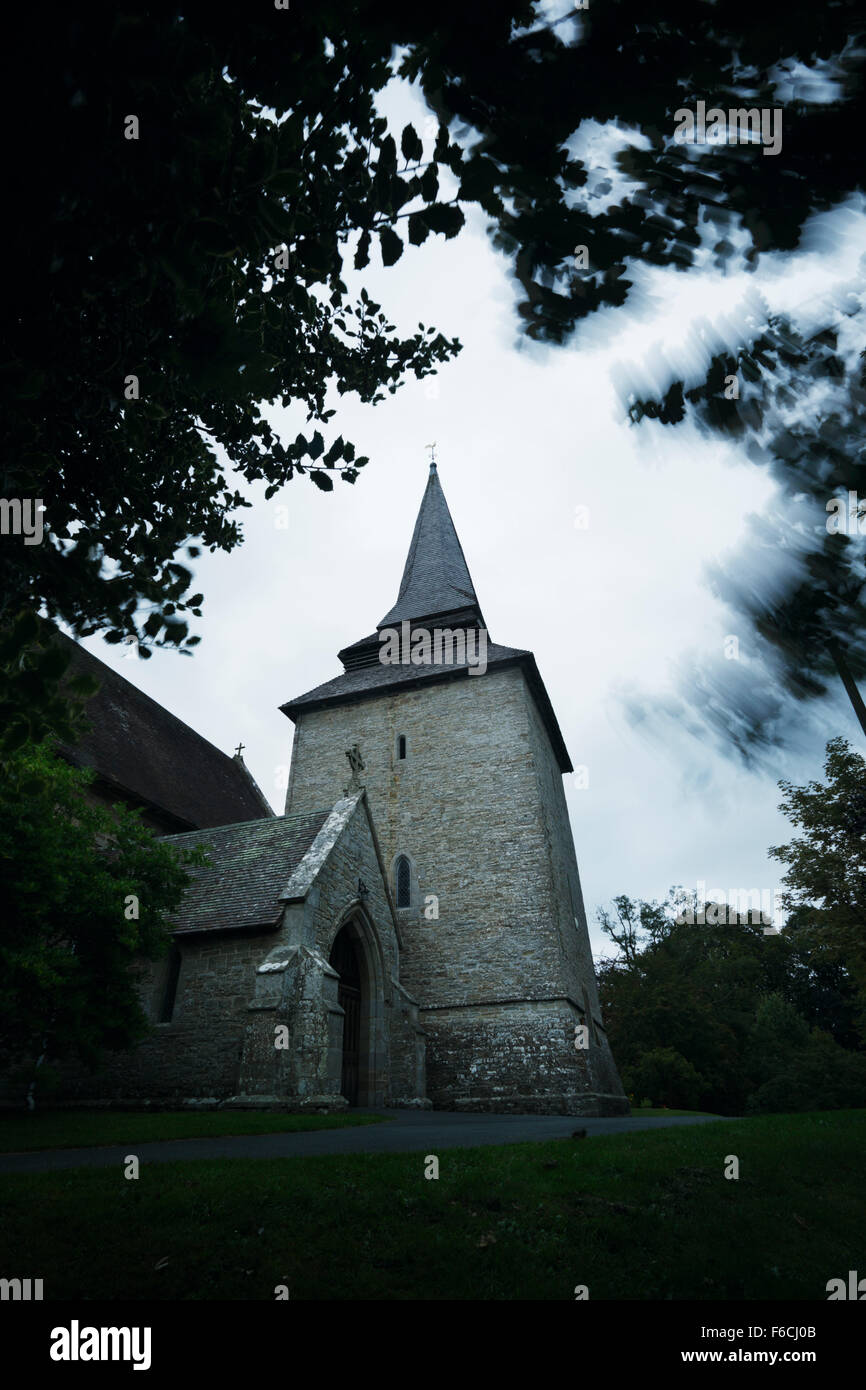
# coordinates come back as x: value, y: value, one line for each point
x: 240, y: 748
x: 356, y: 763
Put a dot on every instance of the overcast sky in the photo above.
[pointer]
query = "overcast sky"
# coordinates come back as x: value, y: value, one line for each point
x: 526, y: 435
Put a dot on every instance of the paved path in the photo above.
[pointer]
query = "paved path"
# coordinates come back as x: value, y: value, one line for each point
x: 405, y: 1132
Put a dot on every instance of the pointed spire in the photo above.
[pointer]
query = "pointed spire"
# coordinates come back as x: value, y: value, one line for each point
x: 436, y: 579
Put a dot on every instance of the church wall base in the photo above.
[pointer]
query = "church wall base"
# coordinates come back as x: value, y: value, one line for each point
x: 317, y: 1105
x: 519, y: 1057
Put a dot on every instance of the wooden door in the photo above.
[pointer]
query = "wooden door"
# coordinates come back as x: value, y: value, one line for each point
x: 344, y: 958
x: 350, y: 1000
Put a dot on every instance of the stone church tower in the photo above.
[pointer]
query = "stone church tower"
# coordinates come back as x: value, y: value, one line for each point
x: 462, y: 760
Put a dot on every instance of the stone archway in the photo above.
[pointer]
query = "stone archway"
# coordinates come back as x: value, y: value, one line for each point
x: 354, y: 956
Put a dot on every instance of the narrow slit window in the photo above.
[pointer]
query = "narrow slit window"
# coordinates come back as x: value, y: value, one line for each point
x: 401, y: 747
x: 403, y: 882
x: 172, y: 976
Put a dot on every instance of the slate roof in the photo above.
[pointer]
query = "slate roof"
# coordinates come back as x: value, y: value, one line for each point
x: 436, y: 577
x: 138, y: 747
x: 436, y: 586
x: 251, y: 866
x: 378, y: 676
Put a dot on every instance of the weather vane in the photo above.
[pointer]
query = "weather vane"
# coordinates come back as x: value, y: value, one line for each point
x: 432, y: 448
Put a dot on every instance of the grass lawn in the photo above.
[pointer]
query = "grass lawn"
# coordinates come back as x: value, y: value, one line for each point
x: 639, y: 1215
x: 74, y: 1129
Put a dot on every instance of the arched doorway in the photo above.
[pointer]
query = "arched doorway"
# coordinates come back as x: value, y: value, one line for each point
x: 347, y: 960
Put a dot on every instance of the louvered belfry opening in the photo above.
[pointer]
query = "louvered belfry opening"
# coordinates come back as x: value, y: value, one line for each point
x: 346, y: 961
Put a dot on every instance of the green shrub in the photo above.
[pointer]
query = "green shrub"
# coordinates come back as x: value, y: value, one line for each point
x: 821, y: 1076
x: 664, y: 1074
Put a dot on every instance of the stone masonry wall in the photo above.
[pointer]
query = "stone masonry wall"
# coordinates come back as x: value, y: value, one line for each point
x: 478, y: 807
x: 464, y: 808
x: 409, y: 1039
x: 513, y: 1058
x: 197, y: 1054
x: 578, y: 967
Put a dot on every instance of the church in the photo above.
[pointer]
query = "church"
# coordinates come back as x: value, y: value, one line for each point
x: 411, y: 931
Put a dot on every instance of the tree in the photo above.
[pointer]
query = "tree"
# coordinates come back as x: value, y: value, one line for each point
x: 186, y: 189
x: 819, y: 984
x: 674, y: 200
x: 719, y: 1016
x: 574, y: 241
x: 689, y: 990
x: 86, y: 892
x: 630, y: 922
x: 667, y: 1079
x: 187, y: 186
x: 798, y: 1068
x: 799, y: 408
x: 37, y: 695
x: 825, y: 880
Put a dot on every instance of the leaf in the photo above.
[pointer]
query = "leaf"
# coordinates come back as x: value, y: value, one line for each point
x: 322, y: 480
x: 25, y: 629
x: 277, y: 220
x: 15, y: 736
x: 403, y: 191
x: 362, y: 255
x: 391, y: 246
x: 430, y: 184
x: 478, y: 175
x: 440, y: 151
x: 443, y: 218
x: 387, y: 163
x: 410, y: 144
x: 175, y: 633
x: 285, y: 181
x: 53, y: 663
x: 31, y: 786
x: 213, y: 237
x: 418, y: 229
